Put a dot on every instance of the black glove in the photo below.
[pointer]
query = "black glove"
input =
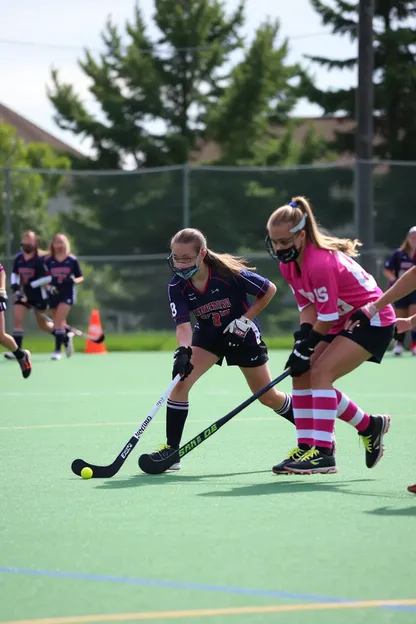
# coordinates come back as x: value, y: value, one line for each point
x: 182, y: 362
x: 3, y: 295
x: 299, y: 360
x: 15, y: 288
x: 303, y: 332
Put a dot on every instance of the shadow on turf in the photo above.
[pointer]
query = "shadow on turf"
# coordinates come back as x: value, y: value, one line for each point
x: 389, y: 511
x: 168, y: 478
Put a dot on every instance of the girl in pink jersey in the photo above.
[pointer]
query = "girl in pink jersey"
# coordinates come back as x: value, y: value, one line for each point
x: 328, y: 286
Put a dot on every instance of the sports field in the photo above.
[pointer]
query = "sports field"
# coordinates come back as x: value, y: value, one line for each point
x: 223, y: 540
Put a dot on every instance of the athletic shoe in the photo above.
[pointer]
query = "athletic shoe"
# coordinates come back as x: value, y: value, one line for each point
x: 69, y: 344
x: 412, y: 488
x: 313, y: 462
x: 372, y: 439
x: 398, y: 348
x: 413, y: 348
x: 294, y: 455
x: 9, y: 355
x: 163, y: 452
x: 25, y: 364
x: 56, y: 355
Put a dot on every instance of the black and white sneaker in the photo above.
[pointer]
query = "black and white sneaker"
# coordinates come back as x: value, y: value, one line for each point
x: 314, y: 461
x: 372, y: 439
x: 294, y: 455
x: 25, y: 364
x: 165, y: 451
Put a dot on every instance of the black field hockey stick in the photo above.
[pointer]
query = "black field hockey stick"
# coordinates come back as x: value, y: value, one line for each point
x: 97, y: 339
x: 106, y: 472
x: 155, y: 466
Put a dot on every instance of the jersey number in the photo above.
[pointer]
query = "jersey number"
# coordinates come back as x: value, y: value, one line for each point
x: 216, y: 319
x: 321, y: 294
x: 173, y: 309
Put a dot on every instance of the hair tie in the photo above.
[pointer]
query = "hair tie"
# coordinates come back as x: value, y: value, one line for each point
x: 294, y: 204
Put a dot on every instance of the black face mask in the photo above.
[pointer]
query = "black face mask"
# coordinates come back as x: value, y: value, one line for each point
x: 27, y: 248
x: 282, y: 255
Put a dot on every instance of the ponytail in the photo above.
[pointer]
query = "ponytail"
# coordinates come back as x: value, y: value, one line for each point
x: 226, y: 264
x: 299, y: 213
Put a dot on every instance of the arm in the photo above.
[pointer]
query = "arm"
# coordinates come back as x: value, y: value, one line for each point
x: 261, y: 302
x: 404, y: 285
x: 78, y: 280
x: 184, y: 335
x: 77, y: 273
x: 389, y: 275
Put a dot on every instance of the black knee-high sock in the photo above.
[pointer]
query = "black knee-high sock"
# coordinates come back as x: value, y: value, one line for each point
x: 59, y: 338
x: 287, y: 410
x: 18, y: 337
x: 413, y: 334
x: 400, y: 337
x: 176, y: 414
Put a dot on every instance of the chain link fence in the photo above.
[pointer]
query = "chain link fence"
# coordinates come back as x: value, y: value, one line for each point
x: 120, y: 224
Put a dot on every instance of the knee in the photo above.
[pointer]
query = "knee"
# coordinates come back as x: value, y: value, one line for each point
x: 180, y: 392
x: 303, y: 382
x: 320, y: 377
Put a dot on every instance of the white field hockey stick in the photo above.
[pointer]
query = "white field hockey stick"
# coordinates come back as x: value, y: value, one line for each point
x: 106, y: 472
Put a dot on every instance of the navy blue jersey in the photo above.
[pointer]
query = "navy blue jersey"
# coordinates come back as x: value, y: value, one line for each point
x: 26, y: 271
x: 62, y: 272
x: 400, y: 262
x: 223, y: 299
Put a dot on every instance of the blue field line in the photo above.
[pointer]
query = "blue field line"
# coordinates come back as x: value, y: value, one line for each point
x: 245, y: 591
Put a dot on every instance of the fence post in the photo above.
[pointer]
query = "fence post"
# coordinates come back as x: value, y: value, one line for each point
x: 8, y: 228
x: 186, y: 219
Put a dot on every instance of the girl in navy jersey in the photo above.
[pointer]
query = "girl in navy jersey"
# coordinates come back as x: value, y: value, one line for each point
x: 403, y: 259
x: 215, y: 288
x: 66, y: 273
x: 28, y: 266
x: 22, y: 356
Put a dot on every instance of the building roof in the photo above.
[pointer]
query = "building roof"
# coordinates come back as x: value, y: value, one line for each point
x: 31, y: 133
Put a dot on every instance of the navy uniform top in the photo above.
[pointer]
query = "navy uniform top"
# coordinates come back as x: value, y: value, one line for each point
x: 62, y: 273
x: 26, y: 271
x: 222, y: 300
x: 400, y: 262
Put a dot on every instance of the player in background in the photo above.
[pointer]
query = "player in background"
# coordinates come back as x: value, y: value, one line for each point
x: 328, y: 286
x: 28, y: 266
x: 403, y: 259
x: 404, y: 285
x: 66, y: 273
x: 215, y: 288
x: 22, y: 356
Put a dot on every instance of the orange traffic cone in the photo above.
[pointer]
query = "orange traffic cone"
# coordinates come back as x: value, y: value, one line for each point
x: 95, y: 329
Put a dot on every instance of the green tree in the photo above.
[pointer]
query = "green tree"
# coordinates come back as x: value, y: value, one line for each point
x: 29, y: 191
x: 394, y: 75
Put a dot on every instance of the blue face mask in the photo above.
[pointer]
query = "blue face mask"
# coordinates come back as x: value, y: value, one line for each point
x: 185, y: 273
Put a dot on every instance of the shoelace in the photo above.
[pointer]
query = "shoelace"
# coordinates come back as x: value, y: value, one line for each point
x: 310, y: 454
x: 296, y: 453
x: 366, y: 440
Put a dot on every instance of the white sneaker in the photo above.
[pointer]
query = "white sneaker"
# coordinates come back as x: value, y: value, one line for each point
x: 69, y: 347
x: 176, y: 466
x: 56, y: 355
x: 398, y: 348
x: 9, y: 355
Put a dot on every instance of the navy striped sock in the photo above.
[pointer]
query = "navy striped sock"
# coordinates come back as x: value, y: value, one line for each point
x: 176, y: 414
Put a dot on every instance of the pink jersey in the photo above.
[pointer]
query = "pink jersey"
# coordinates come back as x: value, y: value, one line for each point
x: 336, y: 286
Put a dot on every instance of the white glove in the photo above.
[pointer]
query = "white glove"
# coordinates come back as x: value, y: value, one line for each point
x: 239, y: 329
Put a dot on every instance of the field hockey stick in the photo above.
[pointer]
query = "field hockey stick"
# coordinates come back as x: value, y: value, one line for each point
x: 97, y: 339
x: 106, y: 472
x: 155, y: 466
x: 42, y: 281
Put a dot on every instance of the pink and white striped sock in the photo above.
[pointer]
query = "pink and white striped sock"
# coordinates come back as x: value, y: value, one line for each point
x: 350, y: 413
x: 324, y: 414
x: 303, y: 414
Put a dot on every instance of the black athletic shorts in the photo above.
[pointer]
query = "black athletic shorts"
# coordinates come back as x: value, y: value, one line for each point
x: 245, y: 356
x: 405, y: 302
x: 37, y: 305
x: 375, y: 340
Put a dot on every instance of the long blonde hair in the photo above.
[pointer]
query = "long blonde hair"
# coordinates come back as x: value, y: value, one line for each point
x: 67, y: 243
x: 293, y: 214
x: 226, y: 264
x: 406, y: 245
